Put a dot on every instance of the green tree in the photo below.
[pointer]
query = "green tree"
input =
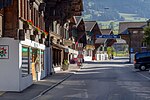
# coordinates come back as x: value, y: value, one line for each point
x: 111, y: 25
x: 110, y: 51
x: 147, y: 35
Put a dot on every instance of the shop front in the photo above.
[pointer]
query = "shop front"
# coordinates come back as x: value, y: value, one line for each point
x: 57, y: 56
x: 22, y: 62
x: 33, y: 58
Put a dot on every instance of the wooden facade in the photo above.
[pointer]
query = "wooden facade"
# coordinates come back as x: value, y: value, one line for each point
x: 136, y: 41
x: 57, y: 17
x: 92, y: 29
x: 133, y: 33
x: 27, y: 21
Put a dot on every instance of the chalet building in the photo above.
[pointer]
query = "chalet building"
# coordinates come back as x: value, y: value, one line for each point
x: 79, y: 34
x: 133, y: 33
x: 58, y: 14
x: 103, y: 43
x: 22, y: 44
x: 92, y: 29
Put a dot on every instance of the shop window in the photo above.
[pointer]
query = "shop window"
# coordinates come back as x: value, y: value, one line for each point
x: 25, y: 62
x: 42, y: 60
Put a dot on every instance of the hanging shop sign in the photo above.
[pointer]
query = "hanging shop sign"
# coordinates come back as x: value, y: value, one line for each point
x: 66, y: 50
x: 67, y: 42
x: 92, y: 47
x: 4, y: 51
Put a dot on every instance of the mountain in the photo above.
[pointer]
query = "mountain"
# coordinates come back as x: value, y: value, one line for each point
x: 116, y: 10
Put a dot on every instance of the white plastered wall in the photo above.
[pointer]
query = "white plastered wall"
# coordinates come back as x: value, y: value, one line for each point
x: 9, y: 71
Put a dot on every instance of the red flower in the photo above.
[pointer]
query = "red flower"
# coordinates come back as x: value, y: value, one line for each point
x: 38, y: 29
x: 30, y: 22
x: 46, y: 33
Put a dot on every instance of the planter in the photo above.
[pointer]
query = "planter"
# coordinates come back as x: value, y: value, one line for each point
x: 43, y: 35
x: 35, y: 32
x: 65, y: 67
x: 32, y: 37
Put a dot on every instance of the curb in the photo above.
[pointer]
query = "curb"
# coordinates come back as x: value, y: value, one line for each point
x: 51, y: 87
x: 1, y: 93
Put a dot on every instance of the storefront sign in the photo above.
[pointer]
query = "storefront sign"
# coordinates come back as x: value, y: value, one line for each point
x: 108, y: 36
x: 67, y: 42
x: 4, y: 51
x: 66, y: 50
x: 36, y: 45
x: 92, y: 47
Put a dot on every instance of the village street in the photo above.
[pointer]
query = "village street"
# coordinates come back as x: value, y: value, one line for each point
x: 109, y: 80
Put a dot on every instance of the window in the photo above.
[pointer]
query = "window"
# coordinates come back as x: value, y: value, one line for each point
x: 143, y: 44
x: 54, y: 26
x: 135, y: 32
x: 25, y: 67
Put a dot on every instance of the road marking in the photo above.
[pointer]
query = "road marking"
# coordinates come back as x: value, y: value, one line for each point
x: 141, y: 74
x: 144, y: 76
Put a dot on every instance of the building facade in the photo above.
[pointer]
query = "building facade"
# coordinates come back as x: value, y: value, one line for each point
x: 33, y: 40
x: 92, y: 29
x: 23, y: 45
x: 133, y: 33
x: 58, y: 15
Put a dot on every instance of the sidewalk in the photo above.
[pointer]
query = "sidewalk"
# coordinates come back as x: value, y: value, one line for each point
x: 40, y: 87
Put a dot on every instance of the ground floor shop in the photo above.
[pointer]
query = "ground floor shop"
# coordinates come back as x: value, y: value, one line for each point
x: 57, y: 56
x: 71, y: 55
x: 22, y: 62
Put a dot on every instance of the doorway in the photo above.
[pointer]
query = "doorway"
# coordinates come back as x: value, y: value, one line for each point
x: 35, y: 54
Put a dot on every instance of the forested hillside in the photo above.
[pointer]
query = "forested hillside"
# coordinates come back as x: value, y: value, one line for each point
x: 118, y: 10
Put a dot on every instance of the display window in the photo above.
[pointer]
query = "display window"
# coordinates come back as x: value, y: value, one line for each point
x: 25, y: 67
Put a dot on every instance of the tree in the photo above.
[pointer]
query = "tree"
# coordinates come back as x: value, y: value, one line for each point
x: 147, y: 35
x: 111, y: 25
x: 110, y: 51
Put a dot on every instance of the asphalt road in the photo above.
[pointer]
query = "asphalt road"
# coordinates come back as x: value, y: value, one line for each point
x: 108, y: 80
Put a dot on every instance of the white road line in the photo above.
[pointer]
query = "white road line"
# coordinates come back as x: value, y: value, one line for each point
x: 141, y: 74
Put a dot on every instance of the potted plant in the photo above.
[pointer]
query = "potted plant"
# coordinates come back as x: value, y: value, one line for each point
x: 65, y: 65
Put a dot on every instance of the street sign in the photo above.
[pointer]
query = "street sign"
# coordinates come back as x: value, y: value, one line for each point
x: 108, y: 36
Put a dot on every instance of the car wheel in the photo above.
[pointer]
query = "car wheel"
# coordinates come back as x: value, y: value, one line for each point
x: 142, y: 67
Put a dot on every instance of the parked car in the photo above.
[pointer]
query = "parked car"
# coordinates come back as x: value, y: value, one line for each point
x: 142, y: 61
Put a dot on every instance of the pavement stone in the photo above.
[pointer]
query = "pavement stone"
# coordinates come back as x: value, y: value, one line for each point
x: 40, y: 87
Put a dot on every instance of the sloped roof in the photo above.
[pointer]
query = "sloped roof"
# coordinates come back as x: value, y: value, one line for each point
x: 89, y: 25
x: 77, y: 19
x: 106, y: 31
x: 123, y: 26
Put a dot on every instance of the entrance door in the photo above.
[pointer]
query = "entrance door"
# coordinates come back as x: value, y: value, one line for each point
x: 35, y: 63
